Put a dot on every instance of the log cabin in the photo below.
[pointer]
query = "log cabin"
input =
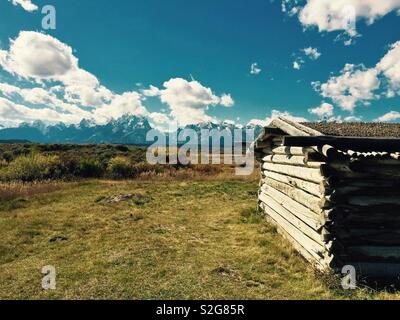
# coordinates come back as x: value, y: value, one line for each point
x: 333, y: 191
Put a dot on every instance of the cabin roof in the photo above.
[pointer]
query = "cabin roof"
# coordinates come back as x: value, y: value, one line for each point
x: 357, y: 129
x: 352, y: 139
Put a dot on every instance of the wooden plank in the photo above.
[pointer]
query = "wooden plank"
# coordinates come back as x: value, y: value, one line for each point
x: 308, y: 174
x: 294, y: 220
x: 288, y: 128
x: 302, y: 212
x: 292, y: 160
x: 294, y: 128
x: 307, y: 186
x: 302, y: 197
x: 316, y: 250
x: 297, y: 246
x: 294, y: 151
x: 344, y: 143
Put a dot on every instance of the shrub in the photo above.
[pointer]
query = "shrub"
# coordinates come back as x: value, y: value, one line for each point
x: 122, y: 148
x: 119, y: 168
x: 8, y: 156
x: 32, y: 168
x: 89, y: 168
x: 145, y: 168
x: 207, y: 169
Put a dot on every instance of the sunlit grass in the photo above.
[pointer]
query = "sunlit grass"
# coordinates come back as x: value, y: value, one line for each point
x: 170, y: 240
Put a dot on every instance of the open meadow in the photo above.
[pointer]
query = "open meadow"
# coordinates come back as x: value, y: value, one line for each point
x: 190, y: 234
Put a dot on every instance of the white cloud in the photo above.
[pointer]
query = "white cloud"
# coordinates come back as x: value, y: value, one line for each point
x: 226, y: 100
x: 13, y: 113
x: 126, y: 103
x: 189, y: 100
x: 54, y: 62
x: 161, y: 121
x: 390, y: 67
x: 324, y: 110
x: 151, y: 92
x: 309, y: 53
x: 25, y: 4
x: 275, y: 114
x: 255, y: 69
x: 389, y: 117
x: 297, y: 65
x: 54, y: 87
x: 40, y: 96
x: 359, y: 85
x: 258, y: 122
x: 291, y: 7
x: 59, y: 83
x: 312, y: 53
x: 287, y: 115
x: 340, y: 15
x: 356, y: 84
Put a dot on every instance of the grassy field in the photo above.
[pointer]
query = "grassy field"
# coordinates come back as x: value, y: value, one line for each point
x: 168, y: 240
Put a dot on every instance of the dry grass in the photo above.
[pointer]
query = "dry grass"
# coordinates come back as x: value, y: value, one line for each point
x: 201, y: 173
x: 168, y: 240
x: 10, y: 191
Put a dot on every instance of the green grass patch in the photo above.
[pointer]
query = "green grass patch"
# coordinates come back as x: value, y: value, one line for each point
x: 170, y: 240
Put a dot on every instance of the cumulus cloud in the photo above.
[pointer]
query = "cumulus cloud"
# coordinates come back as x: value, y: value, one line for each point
x: 259, y: 122
x: 12, y: 113
x: 297, y: 64
x: 126, y: 103
x: 324, y: 110
x: 188, y: 100
x: 275, y: 114
x: 40, y: 96
x: 389, y: 117
x: 390, y: 67
x: 291, y: 7
x: 312, y: 53
x: 54, y: 62
x: 25, y: 4
x: 339, y: 15
x: 54, y: 81
x: 54, y: 87
x: 151, y: 92
x: 355, y: 84
x: 309, y: 53
x: 226, y: 100
x: 255, y: 69
x: 359, y: 85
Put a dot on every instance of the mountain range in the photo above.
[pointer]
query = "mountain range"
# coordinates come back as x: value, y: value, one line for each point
x: 128, y: 129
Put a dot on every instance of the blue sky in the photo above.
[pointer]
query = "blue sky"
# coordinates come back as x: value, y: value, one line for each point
x: 203, y: 50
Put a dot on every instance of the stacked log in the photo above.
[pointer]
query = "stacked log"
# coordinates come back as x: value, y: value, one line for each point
x: 336, y: 208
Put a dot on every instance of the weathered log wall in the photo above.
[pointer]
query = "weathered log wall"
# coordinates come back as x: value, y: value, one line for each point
x: 335, y: 208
